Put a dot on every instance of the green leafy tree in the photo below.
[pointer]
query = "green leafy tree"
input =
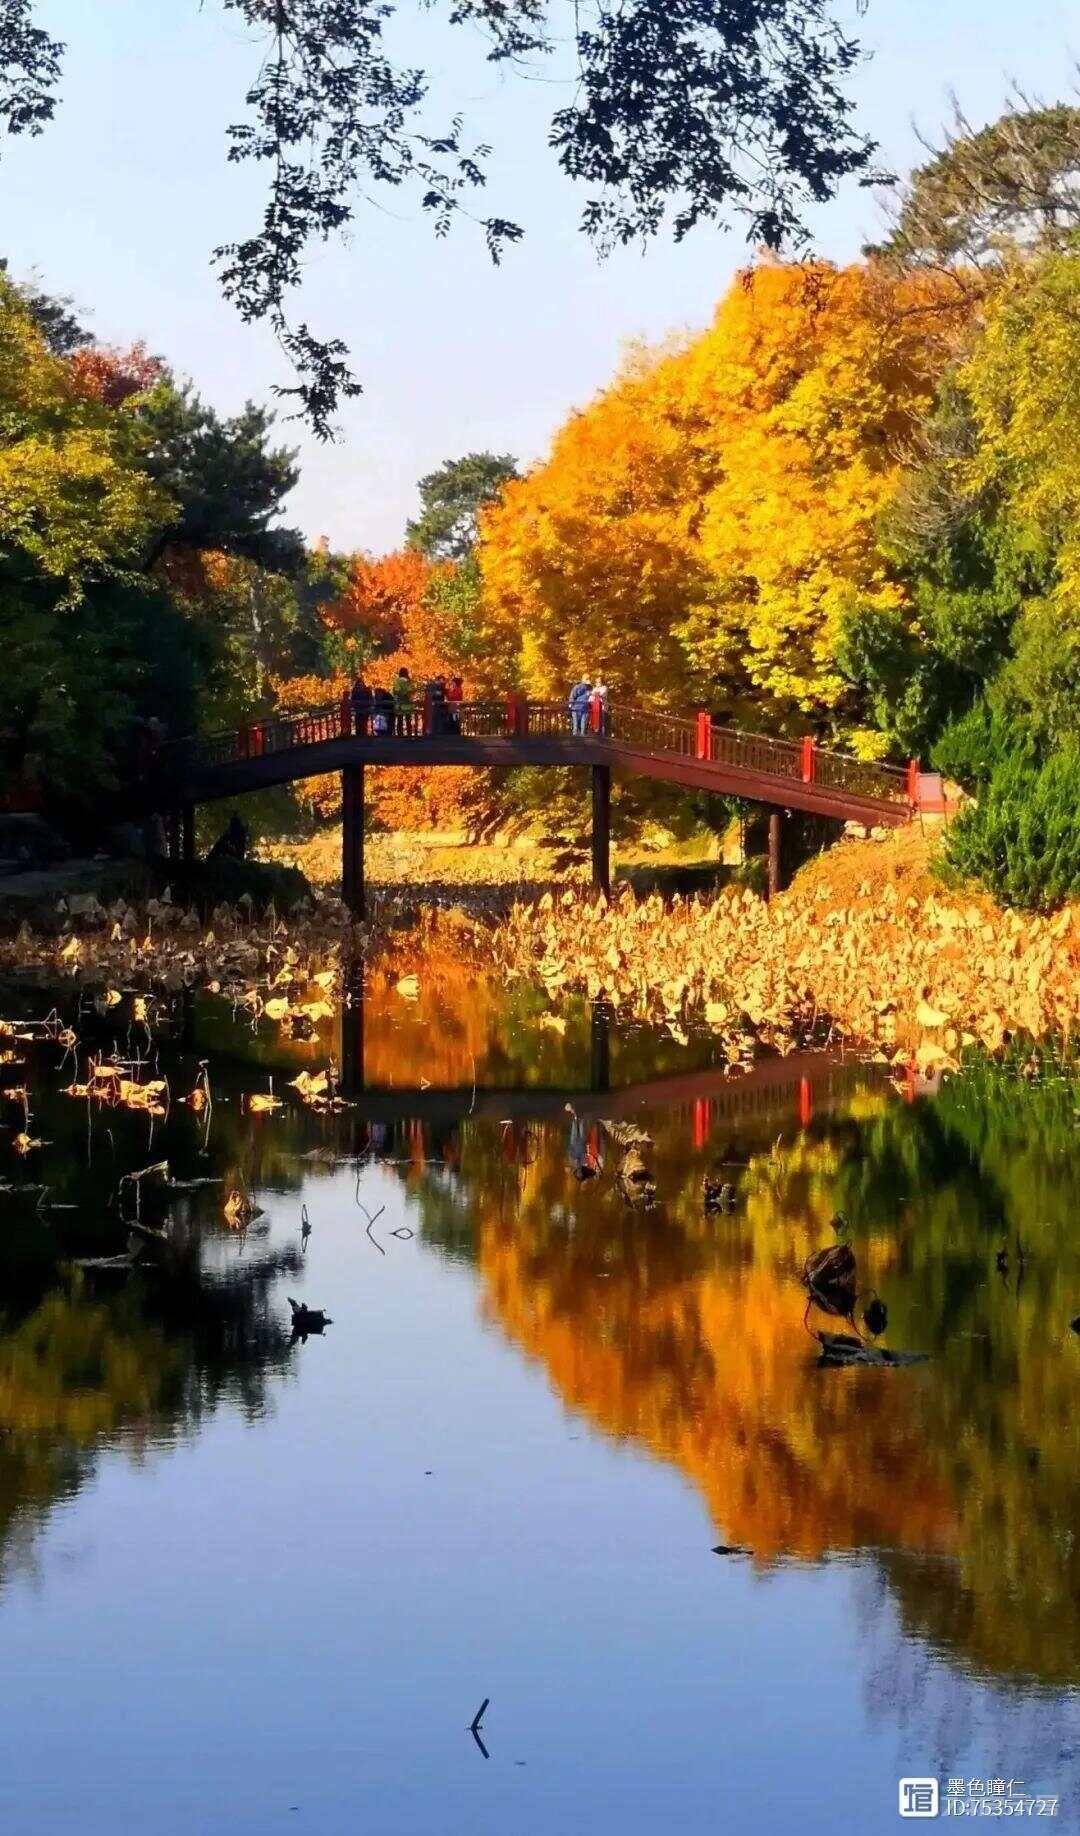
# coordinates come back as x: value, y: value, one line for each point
x: 455, y: 594
x: 1021, y: 838
x: 254, y: 628
x: 1040, y: 684
x: 973, y: 747
x: 227, y: 482
x: 986, y: 193
x: 980, y: 526
x: 58, y: 325
x: 75, y: 677
x: 1020, y: 381
x: 73, y: 501
x: 451, y: 499
x: 84, y: 636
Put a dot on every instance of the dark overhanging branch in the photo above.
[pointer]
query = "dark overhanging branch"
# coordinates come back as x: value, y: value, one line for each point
x: 684, y: 112
x: 29, y: 70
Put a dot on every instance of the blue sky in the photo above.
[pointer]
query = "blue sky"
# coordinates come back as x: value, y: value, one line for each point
x: 121, y: 201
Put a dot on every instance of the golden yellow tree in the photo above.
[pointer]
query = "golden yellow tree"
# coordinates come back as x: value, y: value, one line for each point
x: 704, y: 527
x: 810, y: 387
x: 589, y: 562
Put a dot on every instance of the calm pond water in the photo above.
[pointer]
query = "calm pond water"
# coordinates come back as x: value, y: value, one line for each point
x: 252, y: 1582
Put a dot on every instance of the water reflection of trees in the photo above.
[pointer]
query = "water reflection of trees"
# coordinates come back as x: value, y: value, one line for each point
x: 680, y: 1332
x: 685, y: 1334
x: 1003, y: 1426
x: 91, y: 1367
x: 136, y: 1358
x: 463, y: 1027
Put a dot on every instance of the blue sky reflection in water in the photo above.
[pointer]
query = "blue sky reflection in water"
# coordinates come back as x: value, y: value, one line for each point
x: 254, y: 1586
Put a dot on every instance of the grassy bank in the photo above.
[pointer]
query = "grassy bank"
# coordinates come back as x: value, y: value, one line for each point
x: 394, y: 861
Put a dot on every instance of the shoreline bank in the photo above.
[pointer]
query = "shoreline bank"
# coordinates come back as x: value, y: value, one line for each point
x: 865, y: 948
x: 864, y: 938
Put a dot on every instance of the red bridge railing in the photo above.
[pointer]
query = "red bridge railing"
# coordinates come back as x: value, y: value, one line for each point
x: 640, y: 729
x: 801, y: 760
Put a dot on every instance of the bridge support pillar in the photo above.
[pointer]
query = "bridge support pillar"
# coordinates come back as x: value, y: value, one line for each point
x: 601, y: 828
x: 774, y: 852
x: 187, y: 834
x: 352, y: 839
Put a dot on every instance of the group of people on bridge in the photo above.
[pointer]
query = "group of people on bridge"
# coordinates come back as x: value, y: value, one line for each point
x: 408, y: 709
x: 404, y: 708
x: 588, y: 705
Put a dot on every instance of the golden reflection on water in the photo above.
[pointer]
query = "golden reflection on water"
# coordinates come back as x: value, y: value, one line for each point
x: 686, y: 1335
x: 676, y: 1331
x: 697, y: 1350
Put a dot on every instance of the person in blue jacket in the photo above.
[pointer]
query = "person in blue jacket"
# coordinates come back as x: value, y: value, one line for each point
x: 579, y: 705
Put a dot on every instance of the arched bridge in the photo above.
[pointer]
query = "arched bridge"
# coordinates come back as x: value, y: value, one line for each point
x: 697, y: 753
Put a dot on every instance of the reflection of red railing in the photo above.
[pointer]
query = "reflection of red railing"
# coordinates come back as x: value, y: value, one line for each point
x: 636, y: 729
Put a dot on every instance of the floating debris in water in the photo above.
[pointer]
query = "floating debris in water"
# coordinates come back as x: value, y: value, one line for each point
x: 307, y: 1320
x: 718, y: 1194
x: 842, y: 1350
x: 829, y: 1276
x: 240, y: 1210
x: 875, y: 1316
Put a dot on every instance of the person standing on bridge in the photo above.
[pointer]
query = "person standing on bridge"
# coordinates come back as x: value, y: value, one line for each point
x: 579, y: 705
x: 382, y: 712
x: 360, y: 695
x: 435, y: 706
x: 404, y: 702
x: 598, y: 705
x: 455, y: 695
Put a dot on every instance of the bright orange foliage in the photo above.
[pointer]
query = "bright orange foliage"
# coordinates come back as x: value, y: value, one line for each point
x: 194, y: 574
x: 703, y: 527
x: 384, y: 598
x: 388, y: 602
x: 105, y: 374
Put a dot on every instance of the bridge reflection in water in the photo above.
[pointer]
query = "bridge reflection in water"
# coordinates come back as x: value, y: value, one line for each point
x: 800, y: 1084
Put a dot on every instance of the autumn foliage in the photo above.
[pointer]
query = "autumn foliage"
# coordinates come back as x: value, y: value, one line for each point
x: 394, y: 621
x: 383, y: 599
x: 704, y: 526
x: 104, y: 374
